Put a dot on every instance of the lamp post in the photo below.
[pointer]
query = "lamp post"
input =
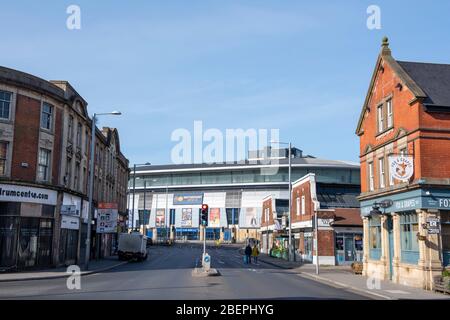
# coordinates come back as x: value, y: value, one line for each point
x: 134, y: 191
x: 316, y: 232
x: 291, y: 254
x: 143, y: 214
x: 91, y: 183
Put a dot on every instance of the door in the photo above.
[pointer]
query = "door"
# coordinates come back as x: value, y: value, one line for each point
x: 391, y: 245
x: 349, y: 248
x: 8, y: 242
x: 28, y: 242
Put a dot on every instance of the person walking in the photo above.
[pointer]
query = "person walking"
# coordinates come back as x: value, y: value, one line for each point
x: 248, y: 253
x: 255, y: 254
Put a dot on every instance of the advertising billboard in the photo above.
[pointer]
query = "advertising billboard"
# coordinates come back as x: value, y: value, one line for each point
x: 186, y: 217
x: 251, y: 219
x: 214, y: 218
x: 160, y: 218
x: 190, y: 198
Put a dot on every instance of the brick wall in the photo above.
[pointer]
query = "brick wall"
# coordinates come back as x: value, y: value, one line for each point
x: 298, y: 191
x: 57, y: 146
x: 428, y: 134
x: 267, y: 204
x: 26, y: 138
x: 326, y: 242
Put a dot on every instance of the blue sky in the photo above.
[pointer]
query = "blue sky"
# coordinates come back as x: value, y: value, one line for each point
x: 300, y: 66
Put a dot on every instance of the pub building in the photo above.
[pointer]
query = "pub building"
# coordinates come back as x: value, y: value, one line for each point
x: 404, y: 131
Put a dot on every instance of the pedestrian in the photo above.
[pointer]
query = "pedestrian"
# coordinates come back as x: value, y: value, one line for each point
x: 248, y: 253
x: 255, y: 253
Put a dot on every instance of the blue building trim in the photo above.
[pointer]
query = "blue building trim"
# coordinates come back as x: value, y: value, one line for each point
x: 375, y: 254
x: 411, y: 200
x: 410, y: 257
x: 446, y: 256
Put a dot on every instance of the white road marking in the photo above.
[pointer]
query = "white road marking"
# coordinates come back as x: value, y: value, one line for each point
x: 397, y: 291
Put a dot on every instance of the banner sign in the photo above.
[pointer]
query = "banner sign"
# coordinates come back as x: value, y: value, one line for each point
x: 15, y: 193
x: 107, y: 215
x: 401, y: 167
x: 160, y: 218
x: 191, y: 198
x: 250, y: 218
x: 214, y: 218
x: 186, y: 217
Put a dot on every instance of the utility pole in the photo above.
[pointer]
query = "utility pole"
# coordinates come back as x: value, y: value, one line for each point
x: 143, y: 214
x: 166, y: 211
x: 316, y: 229
x: 134, y: 191
x: 290, y: 205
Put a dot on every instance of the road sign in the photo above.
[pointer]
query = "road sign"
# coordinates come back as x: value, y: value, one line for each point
x: 69, y: 209
x: 433, y: 225
x: 206, y: 261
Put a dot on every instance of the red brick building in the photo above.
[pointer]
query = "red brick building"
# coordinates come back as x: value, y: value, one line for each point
x: 44, y: 153
x: 340, y: 225
x: 404, y: 131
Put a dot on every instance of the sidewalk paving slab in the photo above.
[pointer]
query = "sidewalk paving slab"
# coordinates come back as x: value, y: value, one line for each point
x: 343, y: 277
x: 95, y: 266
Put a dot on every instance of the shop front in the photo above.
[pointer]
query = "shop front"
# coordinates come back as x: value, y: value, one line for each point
x: 407, y: 236
x: 70, y: 229
x: 107, y: 226
x: 349, y: 246
x: 26, y: 227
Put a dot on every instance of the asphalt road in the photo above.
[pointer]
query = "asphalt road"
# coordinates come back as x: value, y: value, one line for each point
x: 167, y: 275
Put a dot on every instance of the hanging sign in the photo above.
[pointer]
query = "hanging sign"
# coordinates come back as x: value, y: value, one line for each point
x: 401, y: 167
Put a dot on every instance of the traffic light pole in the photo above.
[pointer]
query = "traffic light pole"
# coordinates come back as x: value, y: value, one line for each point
x: 204, y: 240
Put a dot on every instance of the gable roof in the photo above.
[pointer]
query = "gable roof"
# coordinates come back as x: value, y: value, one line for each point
x: 433, y: 78
x: 408, y: 79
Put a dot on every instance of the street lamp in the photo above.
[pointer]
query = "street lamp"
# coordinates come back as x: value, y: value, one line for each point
x: 290, y: 256
x: 134, y: 189
x: 91, y: 183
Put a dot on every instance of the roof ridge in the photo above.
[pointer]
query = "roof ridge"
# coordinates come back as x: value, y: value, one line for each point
x: 419, y: 62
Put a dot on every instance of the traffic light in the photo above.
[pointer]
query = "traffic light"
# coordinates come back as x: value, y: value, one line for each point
x: 204, y: 215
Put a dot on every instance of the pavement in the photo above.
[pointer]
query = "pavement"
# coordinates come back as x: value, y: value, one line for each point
x: 343, y: 277
x: 95, y: 266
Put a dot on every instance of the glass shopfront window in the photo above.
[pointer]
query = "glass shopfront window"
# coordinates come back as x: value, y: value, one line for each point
x: 9, y: 229
x: 212, y: 233
x: 308, y: 245
x: 68, y: 246
x: 25, y: 242
x: 409, y: 228
x: 375, y: 237
x: 349, y: 247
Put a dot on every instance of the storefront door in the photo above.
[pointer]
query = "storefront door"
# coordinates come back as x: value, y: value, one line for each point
x: 349, y: 249
x: 28, y: 242
x: 8, y: 242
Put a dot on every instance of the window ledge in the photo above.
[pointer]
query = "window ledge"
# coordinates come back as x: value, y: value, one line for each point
x: 384, y: 132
